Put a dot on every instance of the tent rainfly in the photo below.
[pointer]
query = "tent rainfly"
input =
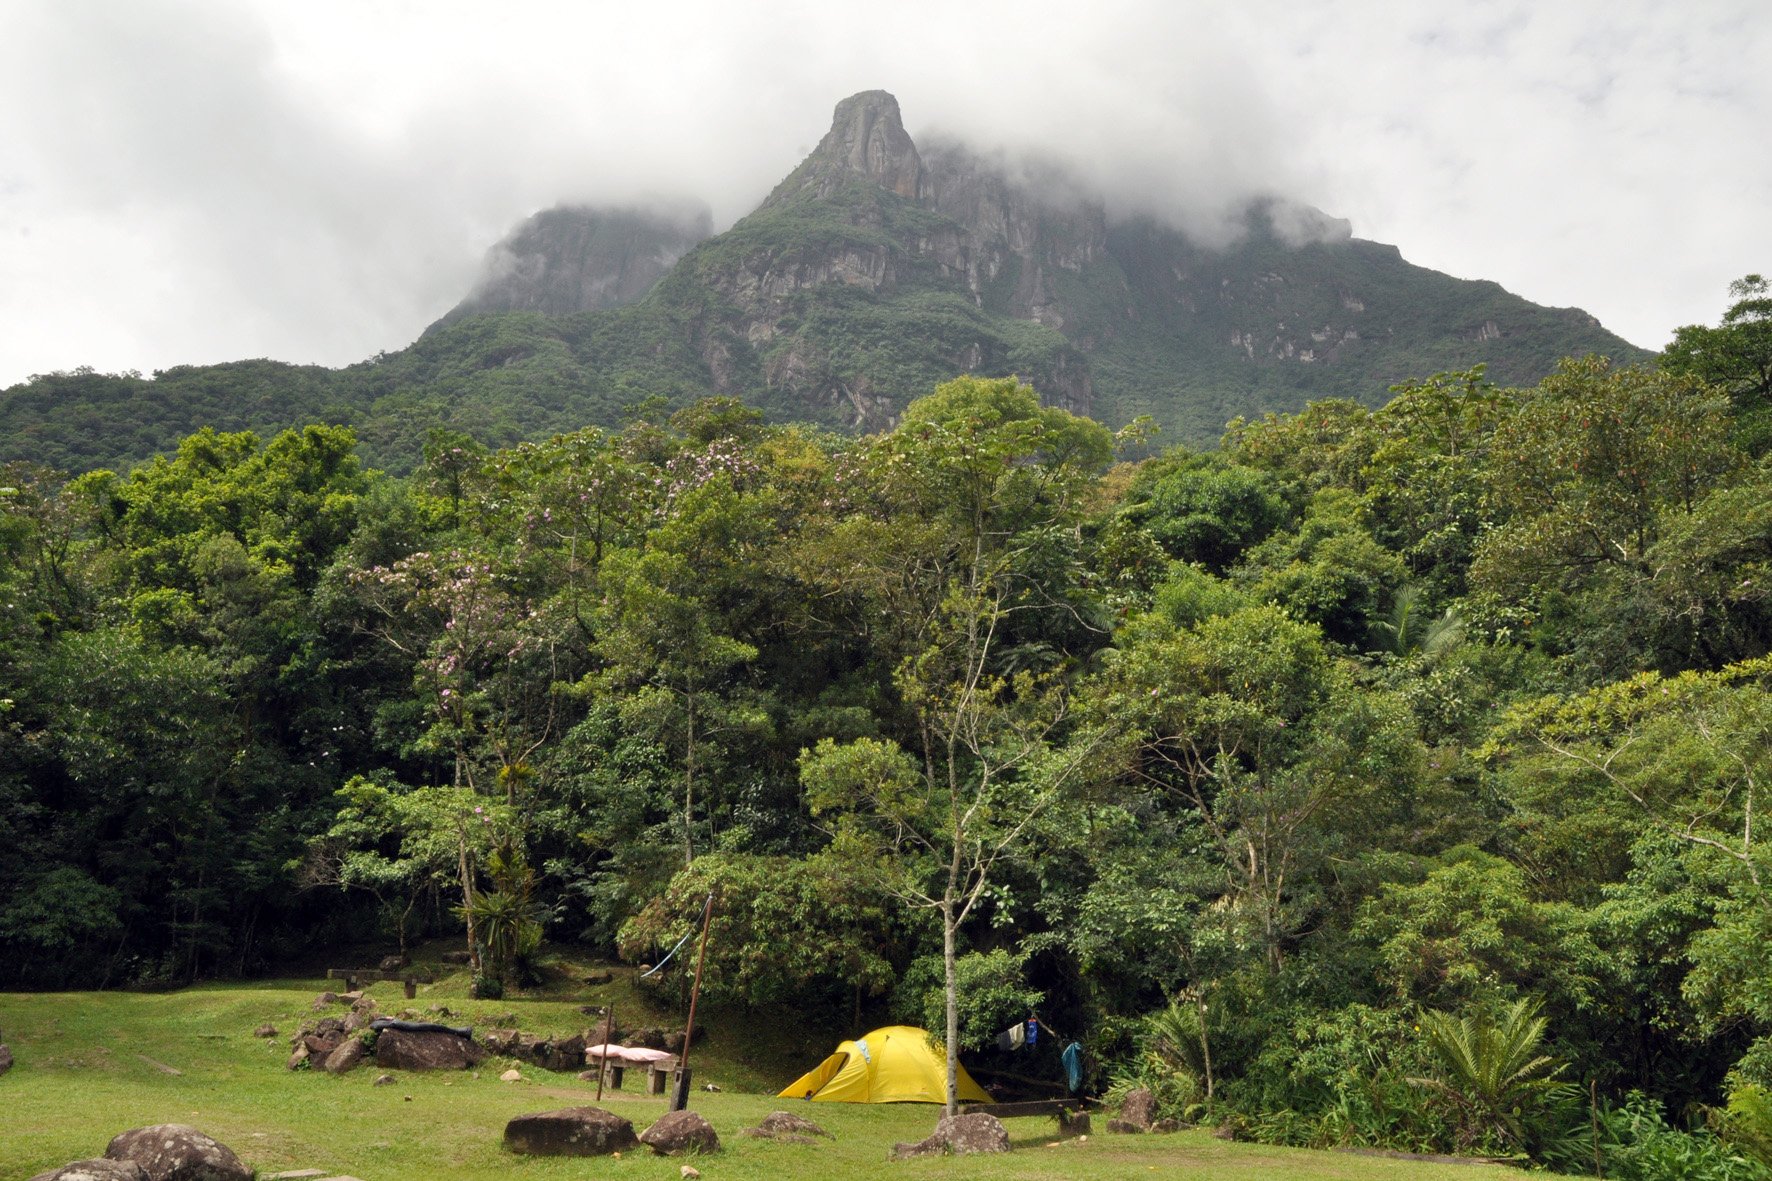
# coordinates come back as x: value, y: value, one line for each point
x: 893, y: 1064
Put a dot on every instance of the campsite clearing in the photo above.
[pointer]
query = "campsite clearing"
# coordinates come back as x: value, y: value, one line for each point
x: 80, y: 1079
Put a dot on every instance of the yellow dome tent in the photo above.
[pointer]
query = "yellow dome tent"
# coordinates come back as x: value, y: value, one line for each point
x: 893, y: 1064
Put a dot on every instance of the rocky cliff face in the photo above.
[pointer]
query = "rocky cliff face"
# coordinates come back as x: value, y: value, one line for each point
x: 581, y: 259
x: 879, y: 267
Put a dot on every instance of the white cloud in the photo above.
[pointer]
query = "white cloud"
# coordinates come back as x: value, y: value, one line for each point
x: 199, y: 180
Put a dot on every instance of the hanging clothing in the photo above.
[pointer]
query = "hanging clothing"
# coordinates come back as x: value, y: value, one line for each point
x: 1073, y: 1066
x: 1012, y: 1038
x: 1033, y: 1033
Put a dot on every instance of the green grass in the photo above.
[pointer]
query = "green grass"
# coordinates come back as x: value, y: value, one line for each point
x: 89, y: 1066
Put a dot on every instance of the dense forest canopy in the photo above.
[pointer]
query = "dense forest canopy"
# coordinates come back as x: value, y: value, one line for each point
x: 1309, y: 778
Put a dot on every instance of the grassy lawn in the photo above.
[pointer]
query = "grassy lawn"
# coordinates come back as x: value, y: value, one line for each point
x: 91, y: 1065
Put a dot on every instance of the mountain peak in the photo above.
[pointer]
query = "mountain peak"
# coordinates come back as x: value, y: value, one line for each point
x: 867, y: 137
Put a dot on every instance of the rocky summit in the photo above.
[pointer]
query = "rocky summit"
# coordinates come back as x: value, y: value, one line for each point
x: 879, y: 266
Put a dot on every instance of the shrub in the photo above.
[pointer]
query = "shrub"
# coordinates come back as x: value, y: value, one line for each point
x: 1633, y: 1142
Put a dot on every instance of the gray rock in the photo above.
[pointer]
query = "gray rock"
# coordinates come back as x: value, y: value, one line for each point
x: 393, y: 963
x: 301, y: 1055
x: 384, y: 1080
x: 1073, y: 1123
x: 569, y: 1131
x: 680, y: 1131
x: 458, y: 957
x: 674, y: 1039
x: 325, y: 1001
x: 400, y: 1049
x: 349, y: 1055
x: 266, y: 1030
x: 96, y: 1170
x: 177, y: 1152
x: 5, y: 1059
x: 1139, y: 1107
x: 959, y: 1135
x: 650, y: 1039
x: 1125, y: 1127
x: 785, y: 1125
x: 561, y: 1054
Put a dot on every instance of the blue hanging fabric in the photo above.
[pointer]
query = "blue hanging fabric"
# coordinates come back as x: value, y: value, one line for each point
x: 1073, y: 1066
x: 1033, y: 1030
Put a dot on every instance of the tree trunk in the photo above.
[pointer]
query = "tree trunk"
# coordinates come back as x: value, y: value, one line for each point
x: 689, y: 785
x: 467, y: 902
x: 953, y: 1004
x: 1205, y: 1040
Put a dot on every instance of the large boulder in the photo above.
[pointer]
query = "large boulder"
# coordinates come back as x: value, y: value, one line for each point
x: 96, y: 1170
x: 562, y: 1054
x: 646, y: 1039
x: 674, y: 1039
x: 177, y: 1152
x: 680, y: 1131
x: 959, y: 1135
x: 402, y: 1049
x: 1139, y: 1108
x: 570, y: 1131
x: 349, y: 1055
x: 785, y: 1125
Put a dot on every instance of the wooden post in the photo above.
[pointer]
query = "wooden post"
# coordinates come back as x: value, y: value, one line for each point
x: 608, y: 1032
x: 680, y: 1099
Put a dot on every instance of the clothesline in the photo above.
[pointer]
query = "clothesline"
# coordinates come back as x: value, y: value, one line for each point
x: 667, y: 959
x: 686, y: 937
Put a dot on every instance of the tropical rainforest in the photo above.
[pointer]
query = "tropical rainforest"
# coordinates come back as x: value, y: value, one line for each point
x: 1384, y: 777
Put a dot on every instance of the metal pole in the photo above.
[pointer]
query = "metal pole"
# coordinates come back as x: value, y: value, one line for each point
x: 603, y: 1058
x: 680, y: 1094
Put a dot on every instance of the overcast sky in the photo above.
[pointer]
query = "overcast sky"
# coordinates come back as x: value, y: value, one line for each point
x: 187, y: 181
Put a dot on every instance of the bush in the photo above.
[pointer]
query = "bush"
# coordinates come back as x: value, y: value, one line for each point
x: 1633, y: 1142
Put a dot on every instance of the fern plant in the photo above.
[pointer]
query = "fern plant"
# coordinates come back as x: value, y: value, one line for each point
x: 1490, y: 1069
x: 1747, y: 1122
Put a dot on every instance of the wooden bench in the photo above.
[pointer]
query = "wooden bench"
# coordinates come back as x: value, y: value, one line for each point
x: 1073, y: 1114
x: 658, y: 1074
x: 412, y: 978
x: 1027, y: 1107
